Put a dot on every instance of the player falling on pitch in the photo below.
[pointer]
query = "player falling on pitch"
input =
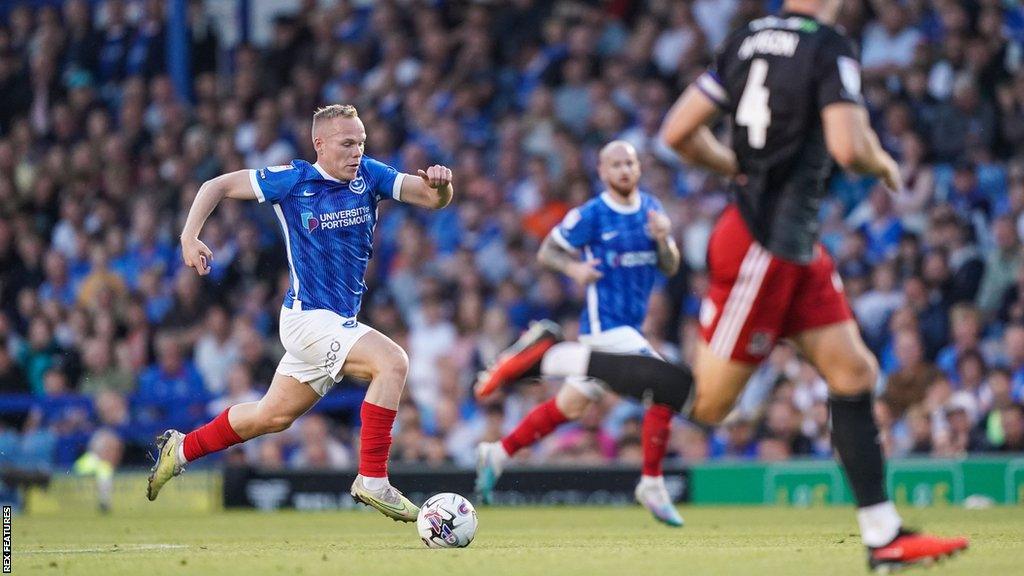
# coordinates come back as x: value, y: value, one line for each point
x: 327, y: 212
x: 791, y: 85
x: 615, y: 245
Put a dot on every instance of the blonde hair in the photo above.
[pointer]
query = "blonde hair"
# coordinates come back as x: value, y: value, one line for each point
x: 333, y: 111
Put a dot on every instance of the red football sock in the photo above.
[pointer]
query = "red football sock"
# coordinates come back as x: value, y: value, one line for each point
x: 375, y: 439
x: 214, y: 436
x: 540, y: 422
x: 654, y: 437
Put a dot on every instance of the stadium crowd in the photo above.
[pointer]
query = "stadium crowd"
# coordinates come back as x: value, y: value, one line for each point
x: 103, y: 330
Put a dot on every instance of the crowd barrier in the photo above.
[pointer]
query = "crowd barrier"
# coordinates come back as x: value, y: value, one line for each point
x: 974, y: 482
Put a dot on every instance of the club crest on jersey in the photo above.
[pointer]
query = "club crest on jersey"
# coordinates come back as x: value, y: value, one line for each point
x: 309, y: 222
x: 760, y: 344
x: 357, y: 186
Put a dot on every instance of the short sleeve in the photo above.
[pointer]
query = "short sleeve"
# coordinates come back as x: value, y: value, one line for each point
x: 385, y: 181
x: 711, y: 83
x: 656, y: 205
x: 838, y: 72
x: 576, y: 229
x: 273, y: 183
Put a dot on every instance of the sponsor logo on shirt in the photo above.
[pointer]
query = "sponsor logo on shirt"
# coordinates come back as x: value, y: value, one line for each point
x: 309, y: 222
x: 631, y: 259
x: 336, y: 219
x: 343, y: 218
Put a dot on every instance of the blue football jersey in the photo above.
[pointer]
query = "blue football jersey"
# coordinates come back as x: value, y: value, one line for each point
x: 328, y: 228
x: 617, y: 236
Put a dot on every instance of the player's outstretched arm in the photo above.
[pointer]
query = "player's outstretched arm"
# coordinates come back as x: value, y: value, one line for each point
x: 236, y: 185
x: 433, y: 189
x: 685, y: 130
x: 855, y: 146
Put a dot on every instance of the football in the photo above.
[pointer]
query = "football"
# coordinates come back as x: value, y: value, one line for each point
x: 446, y: 520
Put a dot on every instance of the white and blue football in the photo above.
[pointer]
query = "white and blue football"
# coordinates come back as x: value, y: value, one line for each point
x: 446, y: 520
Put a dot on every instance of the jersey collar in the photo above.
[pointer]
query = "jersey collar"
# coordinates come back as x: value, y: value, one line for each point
x: 632, y: 208
x: 324, y: 173
x: 805, y: 15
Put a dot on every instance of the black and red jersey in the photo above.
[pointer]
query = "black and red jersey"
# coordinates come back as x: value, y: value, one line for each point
x: 773, y: 77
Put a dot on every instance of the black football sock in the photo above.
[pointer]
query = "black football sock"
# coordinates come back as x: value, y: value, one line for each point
x: 644, y: 377
x: 856, y: 442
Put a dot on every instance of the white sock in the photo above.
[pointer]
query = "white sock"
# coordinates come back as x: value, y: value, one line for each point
x: 373, y: 484
x: 181, y: 454
x: 566, y: 359
x: 879, y: 523
x: 645, y: 479
x: 501, y: 453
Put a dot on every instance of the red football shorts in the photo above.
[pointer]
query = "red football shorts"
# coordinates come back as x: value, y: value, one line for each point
x: 754, y: 298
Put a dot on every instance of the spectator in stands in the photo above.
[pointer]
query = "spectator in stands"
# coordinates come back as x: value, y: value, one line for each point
x: 960, y: 435
x: 1011, y: 423
x: 101, y: 373
x: 736, y: 439
x: 171, y: 389
x: 1001, y: 266
x: 12, y: 378
x: 216, y: 351
x: 39, y: 354
x: 238, y: 388
x: 781, y: 423
x: 317, y: 449
x: 965, y: 328
x: 889, y: 44
x: 1012, y: 308
x: 909, y: 383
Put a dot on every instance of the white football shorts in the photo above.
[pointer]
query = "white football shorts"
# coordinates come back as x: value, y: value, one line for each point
x: 316, y: 344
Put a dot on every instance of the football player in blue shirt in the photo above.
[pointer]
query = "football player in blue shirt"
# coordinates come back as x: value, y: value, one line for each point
x: 616, y: 245
x: 327, y: 211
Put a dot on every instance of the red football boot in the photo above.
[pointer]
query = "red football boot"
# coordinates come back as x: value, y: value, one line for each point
x: 521, y: 359
x: 910, y: 548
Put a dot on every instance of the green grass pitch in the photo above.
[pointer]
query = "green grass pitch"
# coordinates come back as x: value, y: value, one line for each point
x: 521, y: 541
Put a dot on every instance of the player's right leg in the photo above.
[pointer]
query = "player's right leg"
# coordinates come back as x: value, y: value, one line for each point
x: 377, y: 358
x: 286, y: 400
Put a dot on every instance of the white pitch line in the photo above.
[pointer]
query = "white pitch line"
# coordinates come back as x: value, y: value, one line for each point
x: 125, y: 548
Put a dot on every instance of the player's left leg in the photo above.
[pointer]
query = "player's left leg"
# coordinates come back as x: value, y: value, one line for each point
x: 821, y: 325
x: 377, y: 358
x: 286, y: 400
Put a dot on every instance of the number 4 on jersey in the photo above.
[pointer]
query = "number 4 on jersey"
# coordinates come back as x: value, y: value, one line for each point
x: 752, y: 112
